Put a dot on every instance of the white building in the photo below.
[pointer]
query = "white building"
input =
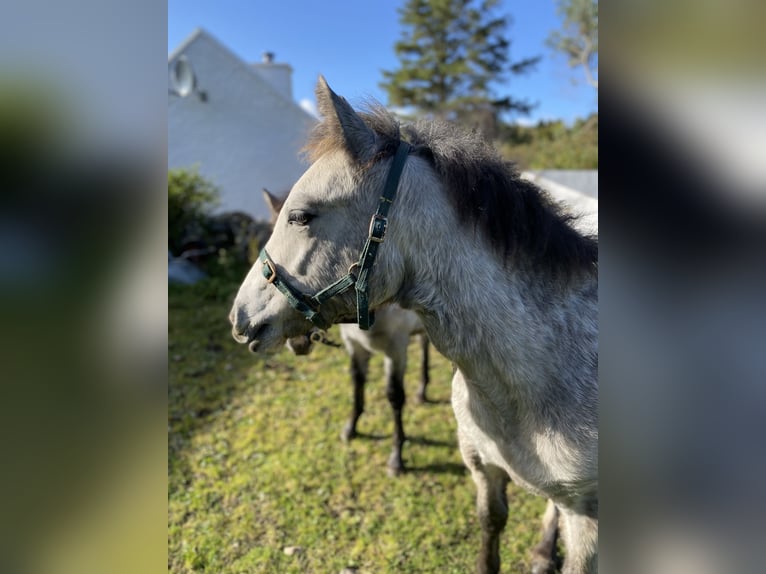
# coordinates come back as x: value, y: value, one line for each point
x: 236, y: 122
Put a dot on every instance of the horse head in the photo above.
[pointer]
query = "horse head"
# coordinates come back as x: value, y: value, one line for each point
x: 323, y: 225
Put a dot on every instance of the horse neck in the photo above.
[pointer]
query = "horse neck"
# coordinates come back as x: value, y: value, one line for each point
x: 494, y: 319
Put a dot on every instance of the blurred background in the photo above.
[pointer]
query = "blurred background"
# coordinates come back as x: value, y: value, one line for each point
x: 99, y: 99
x: 242, y: 79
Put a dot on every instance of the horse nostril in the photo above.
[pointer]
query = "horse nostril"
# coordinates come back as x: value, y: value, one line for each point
x: 253, y: 341
x: 241, y: 333
x: 240, y: 325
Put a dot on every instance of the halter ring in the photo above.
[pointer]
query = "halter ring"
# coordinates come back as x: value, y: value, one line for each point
x: 273, y: 276
x: 317, y: 336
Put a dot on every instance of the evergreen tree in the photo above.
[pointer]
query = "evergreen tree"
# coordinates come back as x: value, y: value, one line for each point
x: 452, y: 54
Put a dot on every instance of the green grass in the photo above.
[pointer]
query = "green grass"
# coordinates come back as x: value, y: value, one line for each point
x: 256, y: 464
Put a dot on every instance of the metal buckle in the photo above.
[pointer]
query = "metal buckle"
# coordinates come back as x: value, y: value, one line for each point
x: 317, y: 336
x: 273, y: 270
x: 376, y: 217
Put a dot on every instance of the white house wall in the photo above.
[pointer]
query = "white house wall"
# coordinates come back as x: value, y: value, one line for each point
x: 244, y: 137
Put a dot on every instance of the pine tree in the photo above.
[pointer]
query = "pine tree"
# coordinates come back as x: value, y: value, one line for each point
x: 452, y: 54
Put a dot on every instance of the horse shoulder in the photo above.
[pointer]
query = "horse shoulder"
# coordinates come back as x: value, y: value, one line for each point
x: 545, y: 463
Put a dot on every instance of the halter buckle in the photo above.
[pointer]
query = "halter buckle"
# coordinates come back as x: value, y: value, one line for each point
x: 317, y: 336
x: 273, y: 276
x: 379, y: 224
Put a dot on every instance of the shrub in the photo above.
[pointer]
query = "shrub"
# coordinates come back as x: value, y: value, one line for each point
x: 551, y: 145
x: 190, y: 199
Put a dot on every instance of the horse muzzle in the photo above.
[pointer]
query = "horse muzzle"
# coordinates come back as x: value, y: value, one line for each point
x: 245, y: 332
x: 240, y: 325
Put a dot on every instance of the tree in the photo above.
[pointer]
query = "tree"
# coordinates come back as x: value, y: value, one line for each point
x: 452, y: 53
x: 578, y: 38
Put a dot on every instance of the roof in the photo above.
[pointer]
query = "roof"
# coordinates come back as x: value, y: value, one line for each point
x: 200, y: 33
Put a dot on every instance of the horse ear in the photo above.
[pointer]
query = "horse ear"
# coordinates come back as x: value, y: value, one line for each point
x: 273, y: 202
x: 358, y: 138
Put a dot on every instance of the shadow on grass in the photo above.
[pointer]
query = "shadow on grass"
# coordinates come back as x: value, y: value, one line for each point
x: 370, y: 437
x: 432, y: 402
x: 452, y: 468
x: 207, y: 369
x: 423, y: 441
x: 431, y: 442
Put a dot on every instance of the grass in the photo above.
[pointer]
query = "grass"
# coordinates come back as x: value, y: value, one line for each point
x: 259, y: 480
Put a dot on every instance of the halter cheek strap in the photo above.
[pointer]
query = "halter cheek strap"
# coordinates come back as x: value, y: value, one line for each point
x: 301, y: 302
x: 309, y: 305
x: 375, y: 236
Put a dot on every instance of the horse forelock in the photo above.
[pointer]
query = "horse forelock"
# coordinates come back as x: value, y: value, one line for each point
x: 516, y: 217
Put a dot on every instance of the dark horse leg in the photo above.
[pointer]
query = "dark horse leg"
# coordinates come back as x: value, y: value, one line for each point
x: 491, y: 505
x: 424, y: 378
x: 360, y: 360
x: 395, y: 366
x: 492, y: 508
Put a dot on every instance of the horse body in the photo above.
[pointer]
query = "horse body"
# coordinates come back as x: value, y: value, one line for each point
x: 389, y: 335
x: 525, y: 398
x: 505, y: 287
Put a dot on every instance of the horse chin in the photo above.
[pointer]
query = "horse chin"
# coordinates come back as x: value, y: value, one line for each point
x: 300, y: 345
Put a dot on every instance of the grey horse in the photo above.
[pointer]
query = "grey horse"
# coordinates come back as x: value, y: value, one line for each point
x: 504, y: 284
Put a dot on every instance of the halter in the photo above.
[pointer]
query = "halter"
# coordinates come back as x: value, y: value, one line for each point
x: 309, y: 305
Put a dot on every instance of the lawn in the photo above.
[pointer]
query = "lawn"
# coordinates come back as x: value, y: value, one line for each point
x: 259, y: 480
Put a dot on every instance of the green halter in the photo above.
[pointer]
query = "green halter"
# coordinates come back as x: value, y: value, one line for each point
x: 309, y: 305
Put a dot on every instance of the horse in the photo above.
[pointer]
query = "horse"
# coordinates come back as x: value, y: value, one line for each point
x: 389, y: 335
x: 505, y: 285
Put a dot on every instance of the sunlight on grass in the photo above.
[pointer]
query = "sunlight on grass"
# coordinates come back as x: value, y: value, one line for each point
x: 259, y: 480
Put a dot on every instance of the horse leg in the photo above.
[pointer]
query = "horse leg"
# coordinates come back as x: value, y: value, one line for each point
x: 424, y: 379
x: 360, y: 360
x: 492, y: 508
x: 580, y: 534
x: 395, y: 365
x: 491, y: 505
x: 544, y: 554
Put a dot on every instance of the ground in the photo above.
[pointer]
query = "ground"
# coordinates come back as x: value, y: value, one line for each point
x: 259, y: 480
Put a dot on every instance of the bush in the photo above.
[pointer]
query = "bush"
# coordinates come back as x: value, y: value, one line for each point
x: 551, y: 145
x: 190, y: 199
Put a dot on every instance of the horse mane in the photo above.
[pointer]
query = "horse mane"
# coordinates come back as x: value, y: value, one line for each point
x: 515, y: 216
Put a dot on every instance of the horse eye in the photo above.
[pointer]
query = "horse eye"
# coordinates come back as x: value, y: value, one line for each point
x: 299, y: 218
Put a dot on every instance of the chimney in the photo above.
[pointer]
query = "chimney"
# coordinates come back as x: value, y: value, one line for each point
x: 279, y: 76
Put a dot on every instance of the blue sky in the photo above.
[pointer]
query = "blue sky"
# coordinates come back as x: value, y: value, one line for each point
x: 351, y: 41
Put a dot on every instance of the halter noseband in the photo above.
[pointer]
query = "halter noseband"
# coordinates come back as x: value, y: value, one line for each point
x: 309, y: 305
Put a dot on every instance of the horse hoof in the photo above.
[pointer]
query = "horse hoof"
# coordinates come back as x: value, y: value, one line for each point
x: 395, y: 467
x: 348, y: 433
x: 541, y: 565
x: 421, y: 399
x: 394, y: 471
